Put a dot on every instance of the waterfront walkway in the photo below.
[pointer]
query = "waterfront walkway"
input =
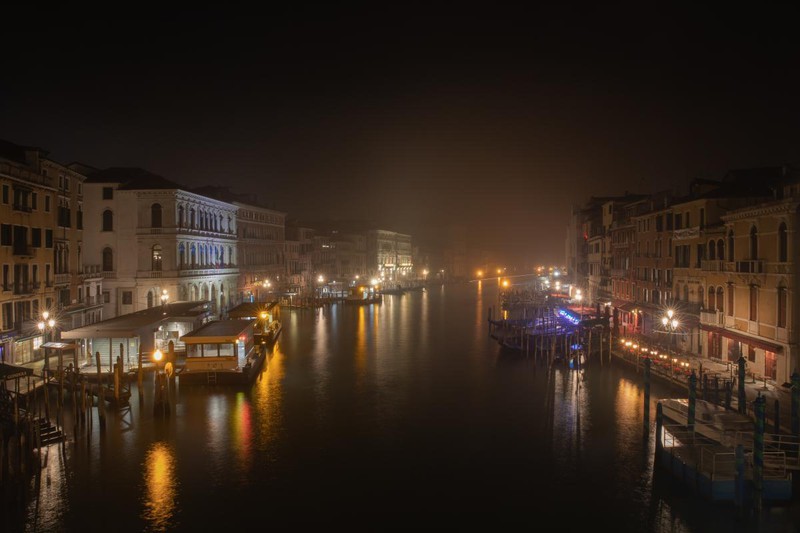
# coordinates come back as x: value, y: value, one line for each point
x: 724, y: 371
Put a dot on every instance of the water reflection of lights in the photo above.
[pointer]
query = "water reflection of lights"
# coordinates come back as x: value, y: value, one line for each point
x: 361, y: 345
x: 243, y: 430
x: 160, y: 503
x: 268, y: 398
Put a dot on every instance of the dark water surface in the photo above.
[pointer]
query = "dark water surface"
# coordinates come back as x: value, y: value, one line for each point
x: 394, y: 416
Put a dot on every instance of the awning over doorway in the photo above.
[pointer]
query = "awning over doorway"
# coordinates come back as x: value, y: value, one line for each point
x: 740, y: 337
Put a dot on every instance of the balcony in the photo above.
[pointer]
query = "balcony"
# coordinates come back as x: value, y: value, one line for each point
x: 618, y: 273
x: 712, y: 265
x: 24, y: 250
x: 686, y: 234
x: 712, y: 318
x: 779, y: 268
x: 753, y: 266
x: 22, y: 207
x: 153, y: 274
x: 25, y: 288
x: 90, y: 272
x: 63, y: 279
x: 207, y: 270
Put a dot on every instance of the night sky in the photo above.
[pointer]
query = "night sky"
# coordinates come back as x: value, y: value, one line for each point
x: 414, y: 117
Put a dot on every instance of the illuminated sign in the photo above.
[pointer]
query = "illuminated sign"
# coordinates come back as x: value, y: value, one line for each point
x: 563, y: 313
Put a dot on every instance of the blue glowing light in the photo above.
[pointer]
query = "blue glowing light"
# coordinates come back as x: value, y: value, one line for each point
x: 563, y: 313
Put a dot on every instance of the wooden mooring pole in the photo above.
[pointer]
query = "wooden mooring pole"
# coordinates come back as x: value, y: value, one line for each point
x: 101, y: 402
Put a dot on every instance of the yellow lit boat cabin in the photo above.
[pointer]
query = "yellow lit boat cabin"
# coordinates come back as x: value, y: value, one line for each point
x: 222, y: 352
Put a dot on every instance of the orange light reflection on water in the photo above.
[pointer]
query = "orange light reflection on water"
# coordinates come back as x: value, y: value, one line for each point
x: 160, y: 503
x: 361, y: 345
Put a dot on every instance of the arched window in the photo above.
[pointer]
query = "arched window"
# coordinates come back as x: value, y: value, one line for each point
x: 720, y: 300
x: 753, y: 243
x: 730, y: 246
x: 155, y: 216
x: 156, y: 257
x: 192, y: 218
x: 193, y: 256
x: 180, y: 216
x: 230, y: 255
x: 182, y: 255
x: 721, y: 250
x: 108, y: 260
x: 712, y: 305
x: 108, y: 220
x: 782, y: 243
x: 149, y: 299
x: 712, y: 251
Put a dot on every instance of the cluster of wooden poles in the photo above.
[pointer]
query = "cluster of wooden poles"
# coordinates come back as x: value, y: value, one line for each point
x: 28, y: 424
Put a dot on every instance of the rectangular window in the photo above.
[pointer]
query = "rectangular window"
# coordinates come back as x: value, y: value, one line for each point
x: 751, y: 353
x: 730, y: 299
x: 34, y: 201
x: 35, y: 273
x: 47, y: 203
x: 6, y: 270
x: 753, y: 303
x: 781, y: 307
x: 108, y: 193
x: 47, y: 280
x: 36, y: 237
x: 5, y: 194
x: 79, y: 219
x: 5, y: 234
x: 80, y: 188
x: 106, y: 297
x: 66, y: 184
x: 8, y: 315
x: 127, y: 297
x: 48, y: 238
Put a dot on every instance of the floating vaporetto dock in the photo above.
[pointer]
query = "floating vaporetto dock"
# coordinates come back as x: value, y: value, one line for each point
x: 222, y: 352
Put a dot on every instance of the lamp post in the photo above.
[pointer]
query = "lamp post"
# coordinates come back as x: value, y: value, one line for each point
x: 670, y: 324
x: 46, y: 325
x: 320, y: 281
x: 157, y: 357
x: 263, y: 315
x: 159, y: 402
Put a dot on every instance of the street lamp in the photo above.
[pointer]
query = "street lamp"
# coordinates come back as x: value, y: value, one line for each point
x: 263, y: 316
x: 158, y: 355
x: 670, y: 324
x: 45, y: 325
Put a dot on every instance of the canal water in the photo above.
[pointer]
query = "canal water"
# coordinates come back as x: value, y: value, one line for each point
x: 392, y: 416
